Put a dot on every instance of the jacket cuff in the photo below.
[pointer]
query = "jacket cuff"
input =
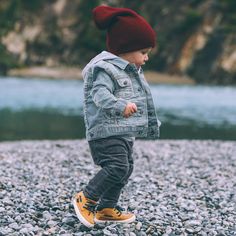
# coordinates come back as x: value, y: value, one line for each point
x: 120, y: 107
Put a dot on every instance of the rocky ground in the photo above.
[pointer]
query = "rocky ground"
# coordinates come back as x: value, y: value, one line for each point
x: 177, y: 188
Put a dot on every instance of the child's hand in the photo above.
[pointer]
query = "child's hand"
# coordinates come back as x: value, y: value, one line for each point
x: 130, y: 109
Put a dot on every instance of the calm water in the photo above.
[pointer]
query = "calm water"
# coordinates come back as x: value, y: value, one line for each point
x: 52, y: 109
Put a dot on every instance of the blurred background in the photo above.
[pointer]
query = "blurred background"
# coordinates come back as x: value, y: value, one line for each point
x: 44, y: 44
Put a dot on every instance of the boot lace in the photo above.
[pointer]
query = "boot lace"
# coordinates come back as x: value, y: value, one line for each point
x: 90, y: 206
x: 119, y: 210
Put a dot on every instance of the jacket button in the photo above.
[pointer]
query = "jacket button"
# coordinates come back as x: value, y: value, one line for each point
x: 139, y: 89
x: 91, y: 134
x: 117, y: 113
x: 125, y: 83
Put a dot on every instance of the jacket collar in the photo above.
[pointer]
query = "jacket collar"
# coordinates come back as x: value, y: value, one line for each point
x: 115, y: 60
x: 121, y: 63
x: 111, y: 58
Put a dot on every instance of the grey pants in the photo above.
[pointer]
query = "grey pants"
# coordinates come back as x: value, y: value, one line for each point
x: 114, y: 155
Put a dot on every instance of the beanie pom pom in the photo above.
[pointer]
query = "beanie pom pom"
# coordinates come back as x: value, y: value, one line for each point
x: 105, y: 16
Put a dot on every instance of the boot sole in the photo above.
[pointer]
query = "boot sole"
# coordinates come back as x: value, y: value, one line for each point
x: 130, y: 220
x: 80, y: 216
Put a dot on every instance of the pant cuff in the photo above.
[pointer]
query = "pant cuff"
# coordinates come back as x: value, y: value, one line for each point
x: 89, y: 196
x: 106, y: 205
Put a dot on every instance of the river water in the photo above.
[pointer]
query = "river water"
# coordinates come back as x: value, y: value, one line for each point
x: 52, y: 109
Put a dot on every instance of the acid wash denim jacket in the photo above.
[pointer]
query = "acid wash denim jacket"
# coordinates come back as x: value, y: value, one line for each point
x: 110, y: 82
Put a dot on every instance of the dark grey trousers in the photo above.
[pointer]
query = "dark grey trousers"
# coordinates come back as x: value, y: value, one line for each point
x: 114, y: 155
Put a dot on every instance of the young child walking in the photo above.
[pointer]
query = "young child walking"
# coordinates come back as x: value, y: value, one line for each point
x: 118, y: 107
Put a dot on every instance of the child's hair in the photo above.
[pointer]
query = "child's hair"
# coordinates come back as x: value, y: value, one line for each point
x: 127, y: 31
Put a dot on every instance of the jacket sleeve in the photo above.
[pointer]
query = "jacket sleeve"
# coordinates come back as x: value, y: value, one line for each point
x: 103, y: 94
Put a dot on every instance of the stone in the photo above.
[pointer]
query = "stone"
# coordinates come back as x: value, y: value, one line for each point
x: 2, y: 209
x: 14, y: 226
x: 107, y: 232
x: 132, y: 234
x: 138, y: 226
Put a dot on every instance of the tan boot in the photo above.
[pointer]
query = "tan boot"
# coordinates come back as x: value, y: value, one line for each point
x: 84, y: 209
x: 113, y: 215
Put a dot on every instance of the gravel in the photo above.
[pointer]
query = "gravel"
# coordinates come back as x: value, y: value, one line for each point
x: 177, y: 188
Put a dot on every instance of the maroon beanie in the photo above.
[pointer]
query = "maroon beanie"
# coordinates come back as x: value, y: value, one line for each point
x: 126, y: 30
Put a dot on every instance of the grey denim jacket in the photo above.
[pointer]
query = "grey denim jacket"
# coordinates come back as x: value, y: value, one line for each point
x: 110, y: 82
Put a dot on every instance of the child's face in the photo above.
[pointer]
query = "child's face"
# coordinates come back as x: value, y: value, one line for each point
x: 137, y: 57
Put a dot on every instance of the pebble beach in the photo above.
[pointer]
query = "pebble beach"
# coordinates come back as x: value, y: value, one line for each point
x: 178, y: 187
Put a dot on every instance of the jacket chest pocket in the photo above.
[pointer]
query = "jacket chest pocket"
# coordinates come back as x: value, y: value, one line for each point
x: 124, y: 88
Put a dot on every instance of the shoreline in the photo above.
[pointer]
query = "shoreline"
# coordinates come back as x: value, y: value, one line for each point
x: 75, y: 73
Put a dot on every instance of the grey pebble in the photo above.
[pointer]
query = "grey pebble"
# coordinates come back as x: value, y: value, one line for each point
x: 132, y: 234
x: 2, y: 209
x: 69, y: 221
x: 193, y: 230
x: 79, y: 234
x: 51, y: 223
x: 138, y: 226
x: 107, y: 232
x: 24, y: 230
x: 193, y: 223
x: 14, y: 226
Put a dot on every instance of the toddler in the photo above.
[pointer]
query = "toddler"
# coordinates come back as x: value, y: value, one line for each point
x: 118, y: 107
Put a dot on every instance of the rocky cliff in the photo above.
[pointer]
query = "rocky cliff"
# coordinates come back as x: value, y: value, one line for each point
x: 195, y: 37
